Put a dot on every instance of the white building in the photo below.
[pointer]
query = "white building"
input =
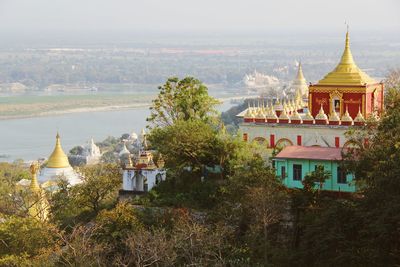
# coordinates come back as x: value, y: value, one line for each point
x: 144, y: 174
x: 91, y: 152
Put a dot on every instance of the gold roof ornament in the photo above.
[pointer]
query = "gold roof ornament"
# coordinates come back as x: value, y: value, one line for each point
x: 321, y: 114
x: 334, y: 116
x: 359, y: 117
x: 130, y: 163
x: 34, y: 186
x: 298, y: 97
x: 264, y: 107
x: 293, y: 105
x: 249, y: 113
x: 278, y: 105
x: 58, y: 159
x: 300, y: 76
x: 284, y: 115
x: 295, y: 116
x: 346, y: 116
x: 272, y: 114
x: 347, y: 72
x: 39, y: 208
x: 308, y: 116
x: 260, y: 114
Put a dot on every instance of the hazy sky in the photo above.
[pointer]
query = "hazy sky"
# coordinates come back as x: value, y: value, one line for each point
x: 202, y: 16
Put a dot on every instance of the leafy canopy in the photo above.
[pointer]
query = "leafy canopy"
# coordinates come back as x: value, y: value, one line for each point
x: 181, y: 100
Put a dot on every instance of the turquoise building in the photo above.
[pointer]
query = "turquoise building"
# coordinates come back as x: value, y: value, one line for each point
x: 293, y: 163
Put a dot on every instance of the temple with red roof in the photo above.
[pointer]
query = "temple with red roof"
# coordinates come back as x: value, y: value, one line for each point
x: 346, y: 97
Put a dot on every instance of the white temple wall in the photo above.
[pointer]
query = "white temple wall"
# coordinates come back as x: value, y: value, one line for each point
x: 130, y: 182
x: 322, y: 135
x: 53, y: 174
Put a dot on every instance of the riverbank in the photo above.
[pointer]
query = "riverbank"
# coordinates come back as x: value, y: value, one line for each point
x: 36, y: 106
x: 33, y: 107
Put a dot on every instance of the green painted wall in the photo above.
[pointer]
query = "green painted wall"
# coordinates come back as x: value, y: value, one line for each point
x: 308, y: 166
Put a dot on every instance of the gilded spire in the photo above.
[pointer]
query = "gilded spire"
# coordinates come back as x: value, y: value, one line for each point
x: 300, y: 76
x: 34, y: 186
x: 359, y: 117
x: 58, y: 159
x: 347, y: 57
x: 347, y: 72
x: 284, y: 115
x: 321, y: 114
x: 334, y: 116
x: 248, y: 113
x: 308, y: 116
x: 300, y: 84
x: 346, y: 116
x: 295, y: 116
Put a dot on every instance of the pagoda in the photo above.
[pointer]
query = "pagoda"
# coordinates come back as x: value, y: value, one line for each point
x: 57, y: 167
x: 346, y: 87
x: 299, y: 84
x: 321, y: 113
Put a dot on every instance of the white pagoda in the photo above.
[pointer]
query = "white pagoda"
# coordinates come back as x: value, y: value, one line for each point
x: 58, y: 167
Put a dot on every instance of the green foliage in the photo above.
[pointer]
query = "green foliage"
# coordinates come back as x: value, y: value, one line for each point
x: 77, y: 150
x: 191, y: 143
x: 184, y: 99
x: 117, y: 223
x: 312, y: 184
x: 99, y: 187
x: 10, y: 174
x: 254, y: 202
x: 329, y: 235
x: 80, y: 203
x: 109, y: 157
x: 24, y: 237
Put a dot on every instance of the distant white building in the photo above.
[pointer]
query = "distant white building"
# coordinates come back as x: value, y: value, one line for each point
x: 91, y: 152
x: 262, y: 84
x: 259, y: 80
x: 144, y: 174
x: 124, y: 151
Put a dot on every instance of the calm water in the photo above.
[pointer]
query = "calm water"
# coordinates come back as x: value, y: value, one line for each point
x: 34, y: 138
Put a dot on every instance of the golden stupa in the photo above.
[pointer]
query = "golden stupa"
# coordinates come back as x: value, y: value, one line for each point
x: 39, y: 208
x: 58, y: 159
x: 346, y: 72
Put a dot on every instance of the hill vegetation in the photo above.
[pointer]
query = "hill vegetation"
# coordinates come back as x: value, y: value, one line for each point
x: 221, y: 205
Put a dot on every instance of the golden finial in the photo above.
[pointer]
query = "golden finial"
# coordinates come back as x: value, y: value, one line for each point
x: 130, y: 164
x: 321, y: 114
x: 34, y: 182
x: 359, y: 117
x: 346, y: 116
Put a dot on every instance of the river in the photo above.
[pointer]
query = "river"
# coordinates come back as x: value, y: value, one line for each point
x: 34, y: 138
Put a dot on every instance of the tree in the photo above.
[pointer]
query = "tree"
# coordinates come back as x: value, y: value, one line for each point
x: 392, y: 80
x: 378, y: 169
x: 312, y: 186
x: 12, y: 200
x: 99, y: 187
x: 77, y: 150
x: 254, y: 202
x: 109, y: 157
x: 71, y: 205
x: 181, y: 100
x: 191, y: 144
x: 25, y: 237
